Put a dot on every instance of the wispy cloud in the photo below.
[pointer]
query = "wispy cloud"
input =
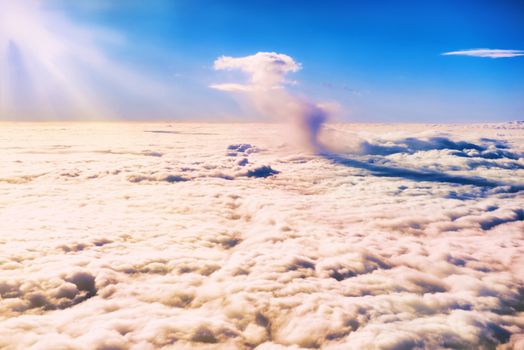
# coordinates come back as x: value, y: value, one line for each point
x: 491, y: 53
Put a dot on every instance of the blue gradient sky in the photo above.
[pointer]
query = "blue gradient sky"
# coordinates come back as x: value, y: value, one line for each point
x: 380, y: 60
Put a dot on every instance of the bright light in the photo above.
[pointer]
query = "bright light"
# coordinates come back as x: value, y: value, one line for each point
x: 51, y: 67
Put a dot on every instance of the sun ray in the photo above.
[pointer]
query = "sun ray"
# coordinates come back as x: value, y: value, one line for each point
x: 57, y: 65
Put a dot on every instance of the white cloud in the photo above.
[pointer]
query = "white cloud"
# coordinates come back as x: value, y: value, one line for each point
x: 266, y: 90
x: 491, y: 53
x: 232, y: 87
x: 266, y: 69
x: 319, y: 255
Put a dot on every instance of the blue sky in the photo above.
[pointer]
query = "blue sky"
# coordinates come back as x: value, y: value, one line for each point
x: 379, y: 60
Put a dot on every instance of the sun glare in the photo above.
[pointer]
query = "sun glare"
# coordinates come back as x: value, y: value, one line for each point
x: 51, y: 67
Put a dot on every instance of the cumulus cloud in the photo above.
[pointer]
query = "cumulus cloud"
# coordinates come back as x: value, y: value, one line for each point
x: 266, y: 69
x: 491, y: 53
x: 266, y: 89
x: 320, y: 255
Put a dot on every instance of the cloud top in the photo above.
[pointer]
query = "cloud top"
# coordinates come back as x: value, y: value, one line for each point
x: 491, y: 53
x: 266, y: 70
x: 322, y: 255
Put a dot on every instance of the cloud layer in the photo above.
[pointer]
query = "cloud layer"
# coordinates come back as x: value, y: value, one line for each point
x: 151, y: 236
x: 491, y: 53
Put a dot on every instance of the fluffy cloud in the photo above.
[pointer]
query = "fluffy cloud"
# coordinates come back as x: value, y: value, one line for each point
x: 266, y: 90
x: 491, y: 53
x: 102, y: 247
x: 266, y: 70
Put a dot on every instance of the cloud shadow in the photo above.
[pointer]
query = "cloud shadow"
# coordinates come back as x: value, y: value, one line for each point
x: 494, y: 149
x: 418, y: 175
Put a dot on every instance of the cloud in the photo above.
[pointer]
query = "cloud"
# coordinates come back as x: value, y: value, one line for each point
x: 321, y: 255
x: 491, y: 53
x: 266, y: 90
x: 231, y: 87
x: 266, y: 70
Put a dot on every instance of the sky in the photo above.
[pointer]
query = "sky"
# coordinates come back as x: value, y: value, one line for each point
x: 377, y: 61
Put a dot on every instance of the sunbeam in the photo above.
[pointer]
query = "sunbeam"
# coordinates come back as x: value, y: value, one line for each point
x: 51, y: 67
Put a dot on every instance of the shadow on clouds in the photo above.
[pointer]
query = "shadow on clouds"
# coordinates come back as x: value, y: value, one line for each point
x: 488, y: 224
x: 418, y: 175
x: 492, y: 149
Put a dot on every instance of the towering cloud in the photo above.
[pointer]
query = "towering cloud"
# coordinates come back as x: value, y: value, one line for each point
x: 266, y: 88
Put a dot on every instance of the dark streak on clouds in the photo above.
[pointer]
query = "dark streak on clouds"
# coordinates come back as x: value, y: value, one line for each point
x: 417, y: 175
x: 493, y: 150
